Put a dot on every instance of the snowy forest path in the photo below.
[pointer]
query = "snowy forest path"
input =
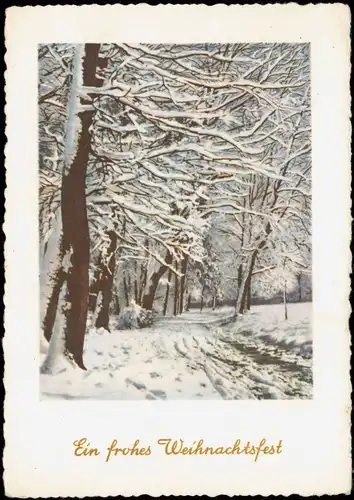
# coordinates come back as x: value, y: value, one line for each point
x: 245, y: 359
x: 206, y: 318
x: 194, y: 357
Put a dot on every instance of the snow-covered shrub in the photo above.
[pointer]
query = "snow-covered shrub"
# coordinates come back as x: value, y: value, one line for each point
x: 133, y: 317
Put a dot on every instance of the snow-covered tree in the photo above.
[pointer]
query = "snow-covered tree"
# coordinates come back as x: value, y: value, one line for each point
x: 168, y: 171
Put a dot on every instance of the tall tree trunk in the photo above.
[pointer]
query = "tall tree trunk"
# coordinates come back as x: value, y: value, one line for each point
x: 249, y: 293
x: 183, y: 283
x: 143, y: 279
x: 176, y: 297
x: 202, y: 299
x: 143, y: 274
x: 126, y: 291
x: 116, y: 304
x: 52, y: 277
x: 285, y: 301
x: 245, y: 287
x: 95, y: 287
x: 76, y: 242
x: 70, y: 322
x: 57, y: 278
x: 239, y: 282
x: 136, y: 293
x: 52, y: 306
x: 149, y: 296
x: 106, y: 284
x: 165, y: 305
x: 57, y: 341
x: 240, y: 296
x: 242, y: 292
x: 189, y: 300
x: 129, y: 280
x: 299, y: 285
x: 244, y: 296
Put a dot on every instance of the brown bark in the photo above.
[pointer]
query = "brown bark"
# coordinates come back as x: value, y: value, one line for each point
x: 136, y: 293
x: 116, y: 304
x: 95, y: 288
x: 189, y: 300
x: 239, y: 281
x: 241, y: 299
x: 249, y: 291
x: 247, y: 287
x: 76, y: 242
x: 58, y: 279
x: 142, y: 284
x: 143, y: 275
x: 183, y: 283
x: 246, y: 283
x: 149, y: 296
x: 165, y: 305
x: 52, y: 306
x: 244, y: 296
x: 240, y: 296
x: 299, y: 285
x: 106, y: 282
x: 285, y: 302
x: 176, y: 296
x: 126, y: 291
x: 202, y: 300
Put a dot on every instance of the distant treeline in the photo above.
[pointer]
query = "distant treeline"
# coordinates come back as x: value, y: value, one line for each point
x: 257, y: 301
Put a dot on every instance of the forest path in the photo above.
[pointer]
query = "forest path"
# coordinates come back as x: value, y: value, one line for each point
x: 195, y: 316
x: 260, y: 356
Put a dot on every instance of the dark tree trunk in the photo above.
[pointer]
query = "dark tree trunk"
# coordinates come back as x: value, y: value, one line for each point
x: 126, y: 291
x: 143, y: 275
x: 189, y: 300
x: 249, y: 293
x: 117, y: 305
x: 239, y: 281
x: 136, y: 293
x: 165, y: 305
x: 244, y: 297
x: 106, y: 282
x: 95, y: 288
x: 247, y: 287
x: 176, y: 297
x: 239, y: 275
x: 299, y: 285
x: 183, y: 283
x: 202, y: 300
x: 149, y: 296
x: 142, y: 284
x: 285, y: 302
x: 244, y: 282
x: 76, y: 242
x: 52, y: 306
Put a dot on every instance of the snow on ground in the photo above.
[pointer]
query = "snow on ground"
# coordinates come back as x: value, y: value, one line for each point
x: 196, y: 356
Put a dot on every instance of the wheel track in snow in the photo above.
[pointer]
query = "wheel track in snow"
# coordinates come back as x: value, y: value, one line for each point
x: 243, y: 369
x: 175, y: 358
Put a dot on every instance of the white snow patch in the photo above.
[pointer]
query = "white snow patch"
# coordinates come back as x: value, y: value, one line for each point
x: 258, y: 357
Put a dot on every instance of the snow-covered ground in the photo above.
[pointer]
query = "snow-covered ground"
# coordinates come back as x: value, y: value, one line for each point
x: 196, y: 356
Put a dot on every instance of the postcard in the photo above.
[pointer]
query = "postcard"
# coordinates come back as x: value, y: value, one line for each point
x: 177, y: 250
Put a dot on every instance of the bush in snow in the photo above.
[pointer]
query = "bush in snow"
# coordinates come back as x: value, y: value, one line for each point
x: 133, y: 317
